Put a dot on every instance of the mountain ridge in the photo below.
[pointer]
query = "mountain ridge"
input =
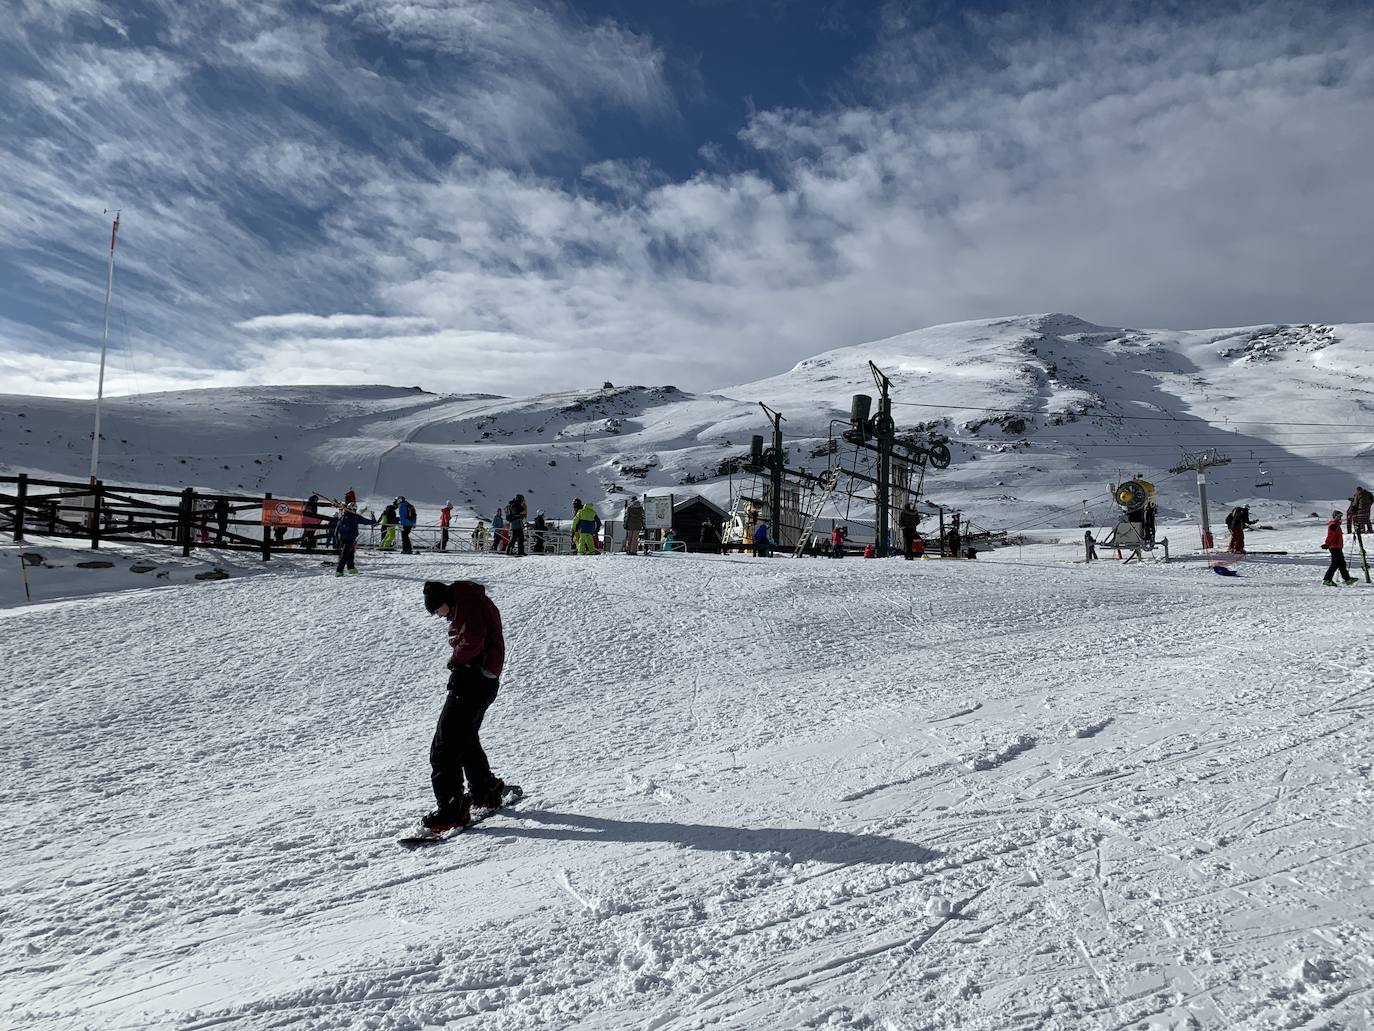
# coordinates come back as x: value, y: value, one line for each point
x: 1040, y: 411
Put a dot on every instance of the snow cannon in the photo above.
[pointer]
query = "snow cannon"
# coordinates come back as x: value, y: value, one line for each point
x: 1134, y: 495
x: 1135, y: 529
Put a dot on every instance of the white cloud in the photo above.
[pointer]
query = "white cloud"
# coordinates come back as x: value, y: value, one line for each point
x: 1134, y: 170
x: 341, y: 324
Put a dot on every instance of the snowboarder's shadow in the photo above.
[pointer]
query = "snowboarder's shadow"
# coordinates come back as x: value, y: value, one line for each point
x: 800, y: 843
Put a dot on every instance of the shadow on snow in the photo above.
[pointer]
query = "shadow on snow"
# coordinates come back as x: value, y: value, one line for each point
x: 799, y: 843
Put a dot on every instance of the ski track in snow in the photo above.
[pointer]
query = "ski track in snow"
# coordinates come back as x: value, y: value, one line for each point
x: 1030, y: 795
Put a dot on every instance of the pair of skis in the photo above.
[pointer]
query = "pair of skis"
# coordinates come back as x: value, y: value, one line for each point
x: 513, y: 794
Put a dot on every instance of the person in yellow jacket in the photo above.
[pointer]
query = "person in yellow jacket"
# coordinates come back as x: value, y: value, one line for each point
x: 586, y: 524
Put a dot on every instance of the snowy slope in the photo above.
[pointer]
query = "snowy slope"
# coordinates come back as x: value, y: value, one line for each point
x: 1030, y: 794
x: 1032, y: 406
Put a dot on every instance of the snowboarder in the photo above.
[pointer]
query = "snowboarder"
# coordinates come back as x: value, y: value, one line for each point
x: 669, y: 540
x: 445, y: 517
x: 634, y: 524
x: 479, y: 650
x: 346, y: 534
x: 1236, y: 521
x: 539, y: 526
x: 406, y: 516
x: 586, y: 525
x: 954, y: 539
x: 516, y: 512
x: 1335, y: 543
x: 761, y: 539
x: 388, y: 525
x: 908, y: 520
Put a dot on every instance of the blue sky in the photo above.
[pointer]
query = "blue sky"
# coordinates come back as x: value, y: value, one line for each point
x: 508, y: 196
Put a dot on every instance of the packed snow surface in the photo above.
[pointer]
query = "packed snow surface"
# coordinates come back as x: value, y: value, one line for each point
x: 1016, y: 792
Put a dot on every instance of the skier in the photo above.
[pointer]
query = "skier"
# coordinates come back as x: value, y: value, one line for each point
x: 445, y: 517
x: 954, y: 538
x: 221, y: 519
x: 498, y: 531
x: 1089, y: 546
x: 837, y: 536
x: 1357, y: 514
x: 586, y: 525
x: 406, y: 516
x: 388, y: 525
x: 1236, y: 521
x: 539, y: 526
x: 669, y: 539
x: 346, y: 533
x: 312, y: 512
x: 479, y: 650
x: 516, y: 512
x: 761, y: 539
x: 479, y: 536
x: 1335, y: 543
x: 634, y: 524
x: 908, y: 520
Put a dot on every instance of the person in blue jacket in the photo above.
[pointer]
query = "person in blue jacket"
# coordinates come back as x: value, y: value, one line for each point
x: 346, y: 534
x: 405, y: 516
x: 761, y: 539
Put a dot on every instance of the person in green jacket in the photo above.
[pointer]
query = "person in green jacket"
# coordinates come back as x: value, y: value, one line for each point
x: 586, y: 524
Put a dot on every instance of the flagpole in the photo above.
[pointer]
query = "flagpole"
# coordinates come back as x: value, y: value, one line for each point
x: 104, y: 343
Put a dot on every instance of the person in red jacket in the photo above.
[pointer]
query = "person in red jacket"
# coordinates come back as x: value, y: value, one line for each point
x: 1335, y: 543
x: 479, y: 651
x: 445, y: 517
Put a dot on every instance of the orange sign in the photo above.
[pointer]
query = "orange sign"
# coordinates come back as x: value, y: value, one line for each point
x: 286, y: 513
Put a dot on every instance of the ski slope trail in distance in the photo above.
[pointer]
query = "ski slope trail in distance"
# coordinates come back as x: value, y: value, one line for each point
x: 1017, y: 792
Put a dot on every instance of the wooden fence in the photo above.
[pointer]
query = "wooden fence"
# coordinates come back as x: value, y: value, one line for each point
x: 189, y: 519
x: 99, y: 512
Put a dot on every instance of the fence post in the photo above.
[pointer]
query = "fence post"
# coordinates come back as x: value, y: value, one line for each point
x: 22, y: 492
x: 97, y: 489
x: 266, y: 530
x: 184, y: 521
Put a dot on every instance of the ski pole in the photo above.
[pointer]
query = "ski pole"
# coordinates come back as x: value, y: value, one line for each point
x: 24, y: 571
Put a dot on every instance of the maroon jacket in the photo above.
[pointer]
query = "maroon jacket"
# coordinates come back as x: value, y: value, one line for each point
x: 474, y: 628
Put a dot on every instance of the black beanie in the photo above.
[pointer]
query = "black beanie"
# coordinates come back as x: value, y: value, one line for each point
x: 436, y: 594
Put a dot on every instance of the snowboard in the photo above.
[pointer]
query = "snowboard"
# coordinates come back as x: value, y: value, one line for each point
x: 513, y: 794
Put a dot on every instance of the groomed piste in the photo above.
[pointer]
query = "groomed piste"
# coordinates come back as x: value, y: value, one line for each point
x: 1018, y: 792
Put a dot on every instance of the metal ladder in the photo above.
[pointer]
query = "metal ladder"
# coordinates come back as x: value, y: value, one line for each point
x: 829, y: 481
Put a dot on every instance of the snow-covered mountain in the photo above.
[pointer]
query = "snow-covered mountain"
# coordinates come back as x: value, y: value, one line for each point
x: 1041, y: 413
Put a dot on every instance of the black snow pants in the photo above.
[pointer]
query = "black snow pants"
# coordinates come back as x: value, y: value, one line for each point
x: 1337, y: 565
x: 908, y: 538
x: 346, y: 549
x: 456, y: 749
